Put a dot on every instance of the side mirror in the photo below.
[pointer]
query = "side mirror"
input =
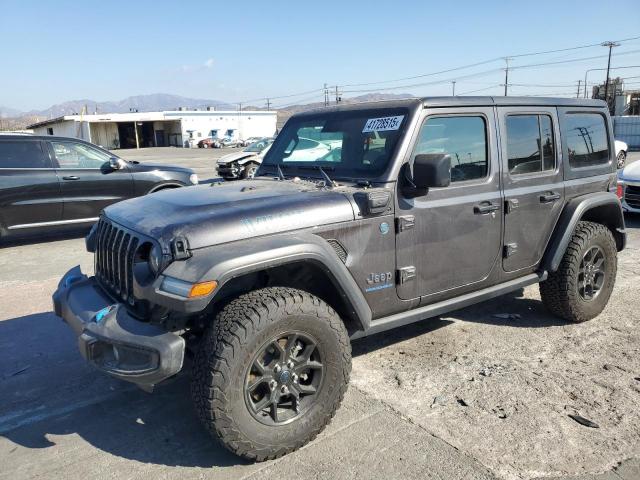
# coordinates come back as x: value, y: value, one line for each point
x: 431, y: 170
x: 115, y: 163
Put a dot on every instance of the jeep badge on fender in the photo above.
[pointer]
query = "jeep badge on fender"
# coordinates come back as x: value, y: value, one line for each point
x: 265, y: 281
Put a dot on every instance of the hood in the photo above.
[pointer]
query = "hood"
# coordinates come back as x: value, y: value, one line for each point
x: 232, y: 157
x: 213, y: 214
x: 631, y: 172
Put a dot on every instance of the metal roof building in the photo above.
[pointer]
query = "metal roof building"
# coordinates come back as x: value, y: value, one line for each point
x: 180, y: 128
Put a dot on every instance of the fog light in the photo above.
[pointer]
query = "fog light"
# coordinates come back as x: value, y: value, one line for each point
x: 121, y: 359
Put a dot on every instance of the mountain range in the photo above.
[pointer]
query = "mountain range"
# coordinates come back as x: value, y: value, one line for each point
x: 14, y: 119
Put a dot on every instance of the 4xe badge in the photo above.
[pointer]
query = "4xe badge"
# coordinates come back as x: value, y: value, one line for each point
x: 378, y: 281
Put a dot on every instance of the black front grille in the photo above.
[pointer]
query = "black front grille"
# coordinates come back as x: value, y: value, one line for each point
x: 632, y: 196
x: 114, y: 259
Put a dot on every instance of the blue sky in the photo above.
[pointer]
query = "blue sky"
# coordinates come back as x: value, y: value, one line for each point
x: 233, y: 51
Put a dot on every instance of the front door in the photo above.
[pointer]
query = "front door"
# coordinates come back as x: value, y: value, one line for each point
x: 532, y: 179
x: 451, y: 237
x: 29, y: 188
x: 88, y: 183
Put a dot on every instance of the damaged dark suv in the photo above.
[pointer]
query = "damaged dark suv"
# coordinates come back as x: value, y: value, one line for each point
x: 405, y: 210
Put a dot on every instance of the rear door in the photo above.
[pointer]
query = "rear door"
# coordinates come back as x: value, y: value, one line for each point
x: 29, y: 190
x: 87, y: 182
x: 532, y: 181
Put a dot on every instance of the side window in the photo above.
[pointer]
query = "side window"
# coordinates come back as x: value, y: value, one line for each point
x: 25, y: 154
x: 77, y: 155
x: 530, y: 144
x: 464, y: 138
x: 586, y: 135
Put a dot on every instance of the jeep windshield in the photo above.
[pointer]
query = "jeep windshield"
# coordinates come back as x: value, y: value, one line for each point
x: 352, y: 144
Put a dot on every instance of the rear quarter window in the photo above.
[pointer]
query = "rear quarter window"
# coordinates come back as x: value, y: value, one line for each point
x: 21, y: 154
x: 586, y: 137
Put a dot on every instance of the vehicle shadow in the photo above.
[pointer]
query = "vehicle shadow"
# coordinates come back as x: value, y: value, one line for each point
x: 47, y: 390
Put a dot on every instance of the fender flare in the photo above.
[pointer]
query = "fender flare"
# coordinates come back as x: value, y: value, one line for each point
x: 604, y: 207
x: 225, y: 262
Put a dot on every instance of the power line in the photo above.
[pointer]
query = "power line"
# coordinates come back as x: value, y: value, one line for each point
x: 480, y: 89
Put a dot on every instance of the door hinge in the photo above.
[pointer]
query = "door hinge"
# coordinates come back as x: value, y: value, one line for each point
x: 511, y: 204
x: 406, y: 274
x: 405, y: 222
x: 510, y: 249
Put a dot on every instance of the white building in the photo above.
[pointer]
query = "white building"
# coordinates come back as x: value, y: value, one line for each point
x: 180, y: 128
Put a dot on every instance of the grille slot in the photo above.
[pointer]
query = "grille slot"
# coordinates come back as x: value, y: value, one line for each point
x: 114, y: 258
x: 339, y: 249
x: 632, y: 196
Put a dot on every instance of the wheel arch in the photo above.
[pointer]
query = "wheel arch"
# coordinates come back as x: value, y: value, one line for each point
x: 303, y: 261
x: 601, y: 207
x: 164, y: 186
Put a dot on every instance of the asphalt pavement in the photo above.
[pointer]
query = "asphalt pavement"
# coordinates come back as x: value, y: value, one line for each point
x: 61, y: 419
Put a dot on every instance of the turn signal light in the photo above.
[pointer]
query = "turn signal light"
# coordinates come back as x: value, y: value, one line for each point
x: 619, y: 191
x: 203, y: 288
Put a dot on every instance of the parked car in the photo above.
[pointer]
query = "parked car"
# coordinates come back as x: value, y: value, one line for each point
x: 264, y: 283
x: 52, y: 183
x: 245, y: 163
x: 248, y: 141
x: 629, y: 187
x: 621, y: 153
x: 209, y: 142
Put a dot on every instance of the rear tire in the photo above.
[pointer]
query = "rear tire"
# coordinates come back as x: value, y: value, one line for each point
x: 300, y: 335
x: 621, y: 159
x: 580, y: 289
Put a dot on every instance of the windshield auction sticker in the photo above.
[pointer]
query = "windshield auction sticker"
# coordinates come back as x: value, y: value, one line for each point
x: 382, y: 124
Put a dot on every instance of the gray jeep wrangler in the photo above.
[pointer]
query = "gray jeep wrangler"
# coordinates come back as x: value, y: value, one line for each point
x: 402, y: 211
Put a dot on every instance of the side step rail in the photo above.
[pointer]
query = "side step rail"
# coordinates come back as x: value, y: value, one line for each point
x: 445, y: 306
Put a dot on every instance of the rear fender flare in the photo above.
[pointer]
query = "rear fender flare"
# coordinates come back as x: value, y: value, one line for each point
x: 602, y: 207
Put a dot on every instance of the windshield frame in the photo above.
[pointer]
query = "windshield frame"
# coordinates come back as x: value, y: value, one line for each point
x: 408, y: 108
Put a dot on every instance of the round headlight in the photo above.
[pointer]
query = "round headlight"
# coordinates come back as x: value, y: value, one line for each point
x: 193, y: 178
x: 155, y: 259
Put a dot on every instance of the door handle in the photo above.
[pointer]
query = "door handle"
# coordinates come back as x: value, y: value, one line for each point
x: 549, y: 197
x: 484, y: 208
x: 71, y: 177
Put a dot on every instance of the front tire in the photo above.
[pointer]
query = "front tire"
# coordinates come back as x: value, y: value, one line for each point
x: 250, y: 170
x: 271, y: 371
x: 621, y: 159
x: 580, y: 289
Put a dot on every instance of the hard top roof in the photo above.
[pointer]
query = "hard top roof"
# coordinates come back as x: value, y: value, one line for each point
x: 463, y: 101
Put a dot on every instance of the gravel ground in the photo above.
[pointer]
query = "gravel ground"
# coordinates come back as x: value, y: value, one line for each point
x: 501, y: 389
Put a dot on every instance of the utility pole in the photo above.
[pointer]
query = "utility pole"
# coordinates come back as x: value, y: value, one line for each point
x: 453, y: 86
x: 578, y: 94
x: 268, y: 105
x: 606, y: 83
x: 240, y: 107
x: 506, y: 76
x: 326, y: 95
x: 338, y: 97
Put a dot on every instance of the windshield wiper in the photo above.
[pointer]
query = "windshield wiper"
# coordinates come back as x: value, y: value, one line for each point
x: 327, y: 179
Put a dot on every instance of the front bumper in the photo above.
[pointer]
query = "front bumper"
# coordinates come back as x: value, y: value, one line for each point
x: 630, y: 195
x: 111, y: 339
x: 229, y: 170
